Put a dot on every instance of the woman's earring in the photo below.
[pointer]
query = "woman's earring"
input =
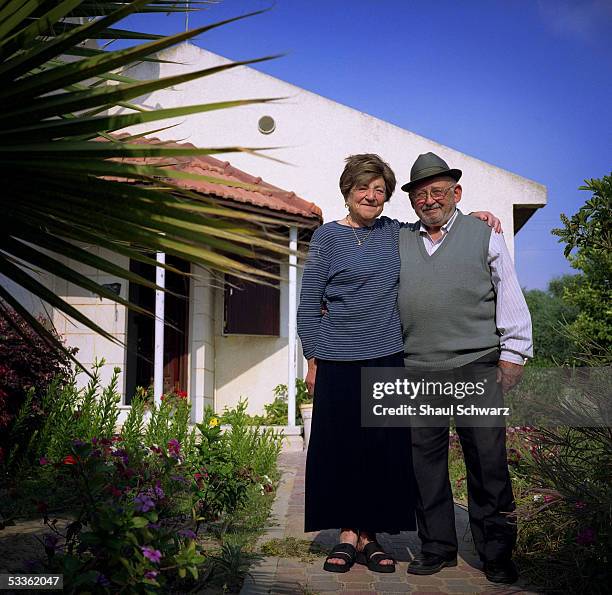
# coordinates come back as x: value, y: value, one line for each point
x: 346, y: 205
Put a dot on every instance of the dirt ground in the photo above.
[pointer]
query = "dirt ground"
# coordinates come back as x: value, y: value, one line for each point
x: 18, y: 544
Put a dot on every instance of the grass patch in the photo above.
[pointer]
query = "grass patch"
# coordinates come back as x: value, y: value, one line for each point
x: 291, y: 547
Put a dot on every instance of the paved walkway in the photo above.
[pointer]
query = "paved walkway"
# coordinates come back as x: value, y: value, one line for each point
x: 290, y: 576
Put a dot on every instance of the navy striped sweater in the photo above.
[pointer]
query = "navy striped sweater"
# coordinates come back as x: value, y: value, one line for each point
x: 357, y: 285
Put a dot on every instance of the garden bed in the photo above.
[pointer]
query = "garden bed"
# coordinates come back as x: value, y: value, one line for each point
x: 159, y: 506
x: 561, y: 484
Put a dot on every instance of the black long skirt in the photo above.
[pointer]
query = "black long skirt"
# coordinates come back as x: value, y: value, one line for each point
x: 355, y: 477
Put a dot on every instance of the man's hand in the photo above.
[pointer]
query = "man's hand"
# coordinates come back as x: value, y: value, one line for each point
x: 490, y: 219
x: 311, y: 375
x: 509, y: 375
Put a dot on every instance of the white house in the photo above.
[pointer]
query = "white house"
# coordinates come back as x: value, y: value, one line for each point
x: 221, y: 363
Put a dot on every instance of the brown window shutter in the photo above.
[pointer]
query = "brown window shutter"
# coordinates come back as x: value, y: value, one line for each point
x: 252, y: 308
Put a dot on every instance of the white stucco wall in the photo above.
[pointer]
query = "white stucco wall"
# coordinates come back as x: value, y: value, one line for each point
x: 248, y: 366
x: 107, y: 314
x: 317, y: 134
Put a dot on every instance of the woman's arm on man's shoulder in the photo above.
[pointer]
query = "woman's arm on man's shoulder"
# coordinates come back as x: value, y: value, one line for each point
x: 489, y: 218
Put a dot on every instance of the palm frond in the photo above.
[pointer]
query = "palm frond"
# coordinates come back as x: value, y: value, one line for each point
x: 67, y: 181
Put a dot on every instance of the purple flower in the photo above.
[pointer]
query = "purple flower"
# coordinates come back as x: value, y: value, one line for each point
x: 188, y: 533
x: 122, y: 454
x: 43, y: 461
x: 179, y: 478
x: 154, y: 526
x: 151, y: 574
x: 78, y: 443
x: 143, y: 503
x: 174, y: 448
x: 156, y: 492
x: 50, y: 541
x: 586, y: 536
x: 151, y: 554
x: 102, y: 580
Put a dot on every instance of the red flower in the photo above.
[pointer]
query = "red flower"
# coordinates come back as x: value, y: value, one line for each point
x: 128, y: 473
x: 70, y: 460
x: 114, y: 491
x: 182, y: 394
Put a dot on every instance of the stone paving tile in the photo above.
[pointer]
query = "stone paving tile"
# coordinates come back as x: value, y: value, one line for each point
x: 396, y: 587
x: 327, y: 586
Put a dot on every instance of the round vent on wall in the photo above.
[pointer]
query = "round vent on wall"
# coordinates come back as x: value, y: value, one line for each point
x: 266, y: 125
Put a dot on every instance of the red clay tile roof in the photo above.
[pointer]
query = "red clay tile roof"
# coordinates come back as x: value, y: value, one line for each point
x: 264, y: 195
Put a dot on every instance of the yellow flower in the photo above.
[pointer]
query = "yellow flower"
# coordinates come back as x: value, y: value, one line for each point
x: 213, y: 422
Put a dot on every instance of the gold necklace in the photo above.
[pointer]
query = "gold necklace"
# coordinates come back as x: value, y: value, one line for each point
x: 359, y: 242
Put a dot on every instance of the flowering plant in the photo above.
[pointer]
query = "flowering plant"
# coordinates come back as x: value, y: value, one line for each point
x: 126, y: 534
x: 138, y: 498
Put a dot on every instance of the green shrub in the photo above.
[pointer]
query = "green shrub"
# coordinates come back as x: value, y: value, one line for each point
x: 230, y: 566
x: 27, y: 366
x: 231, y: 462
x: 276, y: 412
x: 565, y: 519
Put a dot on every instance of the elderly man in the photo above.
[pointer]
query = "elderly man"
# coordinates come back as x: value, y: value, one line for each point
x: 466, y: 309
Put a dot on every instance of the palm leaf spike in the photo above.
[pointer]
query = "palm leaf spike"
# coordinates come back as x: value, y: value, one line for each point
x: 49, y: 198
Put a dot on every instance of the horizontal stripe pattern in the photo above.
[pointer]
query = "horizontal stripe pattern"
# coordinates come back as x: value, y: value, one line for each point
x: 357, y: 286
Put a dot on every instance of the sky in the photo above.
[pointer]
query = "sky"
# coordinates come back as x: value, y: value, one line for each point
x: 523, y: 84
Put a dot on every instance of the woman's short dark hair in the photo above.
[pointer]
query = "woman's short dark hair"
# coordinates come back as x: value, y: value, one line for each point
x: 362, y: 169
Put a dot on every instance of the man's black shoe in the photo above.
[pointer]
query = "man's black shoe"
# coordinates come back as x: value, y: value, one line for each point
x: 501, y: 572
x: 429, y: 564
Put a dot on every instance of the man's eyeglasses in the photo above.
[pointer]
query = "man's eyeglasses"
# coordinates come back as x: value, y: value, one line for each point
x: 435, y: 193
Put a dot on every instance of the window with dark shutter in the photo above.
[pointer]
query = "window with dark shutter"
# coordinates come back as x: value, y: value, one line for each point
x: 252, y: 308
x: 141, y: 330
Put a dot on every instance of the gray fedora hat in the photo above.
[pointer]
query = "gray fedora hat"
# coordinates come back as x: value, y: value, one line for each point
x: 429, y: 165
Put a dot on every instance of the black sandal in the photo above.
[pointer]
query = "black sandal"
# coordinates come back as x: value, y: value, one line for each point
x: 342, y: 550
x: 372, y: 555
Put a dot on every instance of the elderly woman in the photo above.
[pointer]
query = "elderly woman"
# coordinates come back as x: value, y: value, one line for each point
x: 358, y: 479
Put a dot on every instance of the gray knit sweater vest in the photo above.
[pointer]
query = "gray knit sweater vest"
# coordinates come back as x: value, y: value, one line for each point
x: 447, y: 300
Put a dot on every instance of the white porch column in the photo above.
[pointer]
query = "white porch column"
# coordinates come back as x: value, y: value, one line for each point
x: 292, y: 334
x: 158, y: 354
